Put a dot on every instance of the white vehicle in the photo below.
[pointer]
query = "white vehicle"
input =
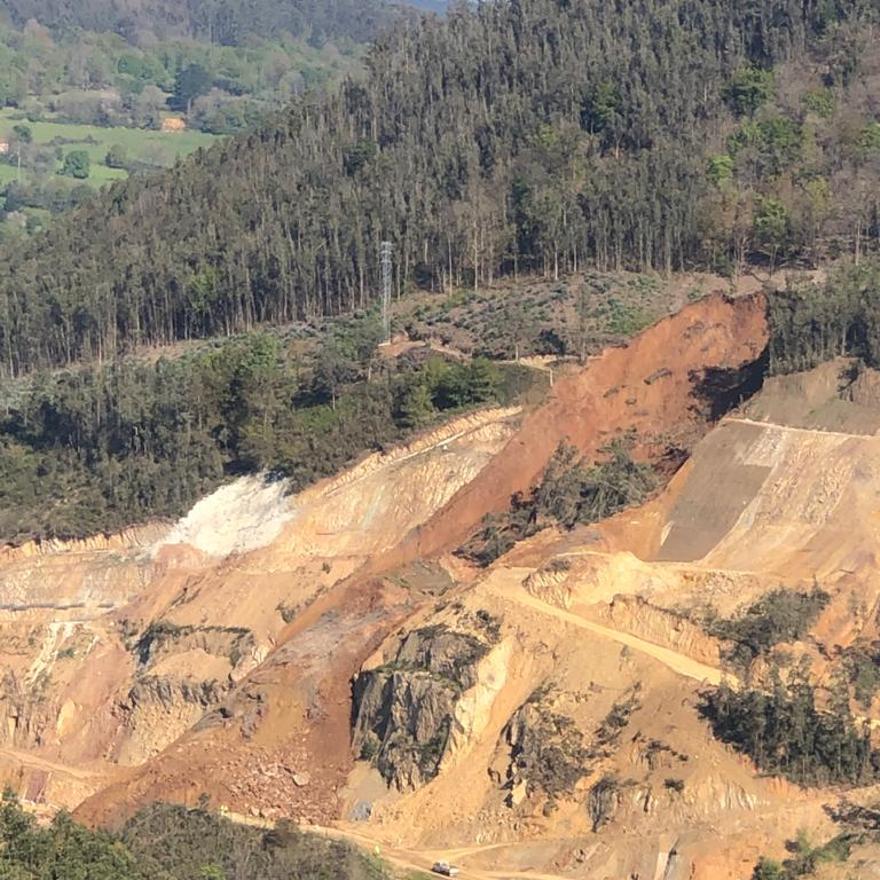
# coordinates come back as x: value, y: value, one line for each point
x: 445, y: 869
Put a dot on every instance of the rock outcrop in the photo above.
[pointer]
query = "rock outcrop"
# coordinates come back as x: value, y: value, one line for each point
x: 404, y: 710
x: 547, y: 751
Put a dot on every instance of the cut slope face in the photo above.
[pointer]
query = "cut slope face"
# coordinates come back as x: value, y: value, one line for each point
x: 790, y: 501
x: 229, y: 671
x: 660, y: 386
x: 112, y: 650
x: 601, y: 641
x: 293, y: 708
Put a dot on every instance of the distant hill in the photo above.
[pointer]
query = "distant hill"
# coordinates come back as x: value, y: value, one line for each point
x: 226, y: 22
x: 540, y: 135
x: 438, y: 6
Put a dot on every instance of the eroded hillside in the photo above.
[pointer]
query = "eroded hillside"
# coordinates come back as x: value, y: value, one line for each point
x: 115, y: 648
x: 327, y: 657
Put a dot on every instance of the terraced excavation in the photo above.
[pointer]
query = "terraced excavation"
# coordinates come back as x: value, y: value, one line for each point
x: 331, y: 658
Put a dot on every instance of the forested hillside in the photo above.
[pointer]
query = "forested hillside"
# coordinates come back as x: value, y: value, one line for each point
x: 76, y: 96
x: 165, y: 842
x: 86, y: 77
x: 816, y: 323
x: 518, y: 135
x: 96, y: 449
x: 225, y: 22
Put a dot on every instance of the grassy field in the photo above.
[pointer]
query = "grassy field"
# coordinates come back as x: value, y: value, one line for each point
x: 8, y: 173
x: 151, y: 147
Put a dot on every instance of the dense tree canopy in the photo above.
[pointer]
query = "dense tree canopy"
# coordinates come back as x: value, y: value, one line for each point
x: 785, y: 732
x: 165, y: 842
x: 98, y: 448
x: 541, y: 135
x: 227, y: 22
x: 813, y: 323
x: 88, y: 77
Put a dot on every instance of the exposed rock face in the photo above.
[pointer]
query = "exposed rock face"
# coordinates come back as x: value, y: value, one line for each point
x: 404, y: 710
x: 549, y: 582
x: 169, y: 693
x: 183, y: 672
x: 546, y: 750
x: 162, y: 640
x: 603, y: 801
x: 662, y: 626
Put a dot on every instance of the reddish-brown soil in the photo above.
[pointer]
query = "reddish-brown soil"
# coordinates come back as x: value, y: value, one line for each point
x: 323, y: 585
x: 646, y: 387
x: 292, y: 711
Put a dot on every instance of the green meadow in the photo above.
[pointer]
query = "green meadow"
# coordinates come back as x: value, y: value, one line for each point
x: 156, y: 148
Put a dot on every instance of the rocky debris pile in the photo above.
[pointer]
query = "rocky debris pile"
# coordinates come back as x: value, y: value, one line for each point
x: 275, y: 785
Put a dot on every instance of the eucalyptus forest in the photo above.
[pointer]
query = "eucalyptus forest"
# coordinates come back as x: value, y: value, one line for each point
x: 490, y: 385
x: 510, y: 137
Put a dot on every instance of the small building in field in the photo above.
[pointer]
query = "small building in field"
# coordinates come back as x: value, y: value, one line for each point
x: 173, y: 123
x: 4, y: 147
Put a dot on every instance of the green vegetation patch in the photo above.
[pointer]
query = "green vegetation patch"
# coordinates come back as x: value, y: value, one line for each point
x: 165, y: 842
x: 99, y: 448
x: 784, y: 732
x: 571, y: 492
x: 806, y: 858
x: 814, y: 323
x: 157, y: 148
x: 617, y: 173
x: 862, y: 667
x: 571, y: 318
x: 778, y: 617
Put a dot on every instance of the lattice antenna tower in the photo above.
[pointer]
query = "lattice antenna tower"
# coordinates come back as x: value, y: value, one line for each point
x: 385, y: 251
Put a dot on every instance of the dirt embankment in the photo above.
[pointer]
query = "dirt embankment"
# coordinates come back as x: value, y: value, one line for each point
x: 228, y: 632
x: 129, y: 540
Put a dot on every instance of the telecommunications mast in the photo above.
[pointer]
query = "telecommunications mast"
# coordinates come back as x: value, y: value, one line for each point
x: 385, y: 250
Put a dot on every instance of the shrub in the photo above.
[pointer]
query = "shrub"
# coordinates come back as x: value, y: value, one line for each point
x: 780, y: 616
x: 77, y: 165
x: 569, y: 493
x: 862, y: 665
x: 116, y: 157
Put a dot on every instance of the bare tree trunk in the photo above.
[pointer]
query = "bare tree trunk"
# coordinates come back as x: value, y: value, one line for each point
x: 476, y: 260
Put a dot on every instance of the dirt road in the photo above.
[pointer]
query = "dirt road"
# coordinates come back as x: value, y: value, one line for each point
x: 507, y: 583
x: 35, y: 762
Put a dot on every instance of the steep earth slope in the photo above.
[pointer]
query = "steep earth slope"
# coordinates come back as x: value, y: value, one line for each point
x: 113, y: 649
x: 575, y: 745
x: 325, y: 656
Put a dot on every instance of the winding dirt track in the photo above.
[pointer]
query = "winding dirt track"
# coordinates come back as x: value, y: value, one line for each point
x: 506, y: 585
x: 422, y: 860
x: 27, y: 759
x: 681, y: 664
